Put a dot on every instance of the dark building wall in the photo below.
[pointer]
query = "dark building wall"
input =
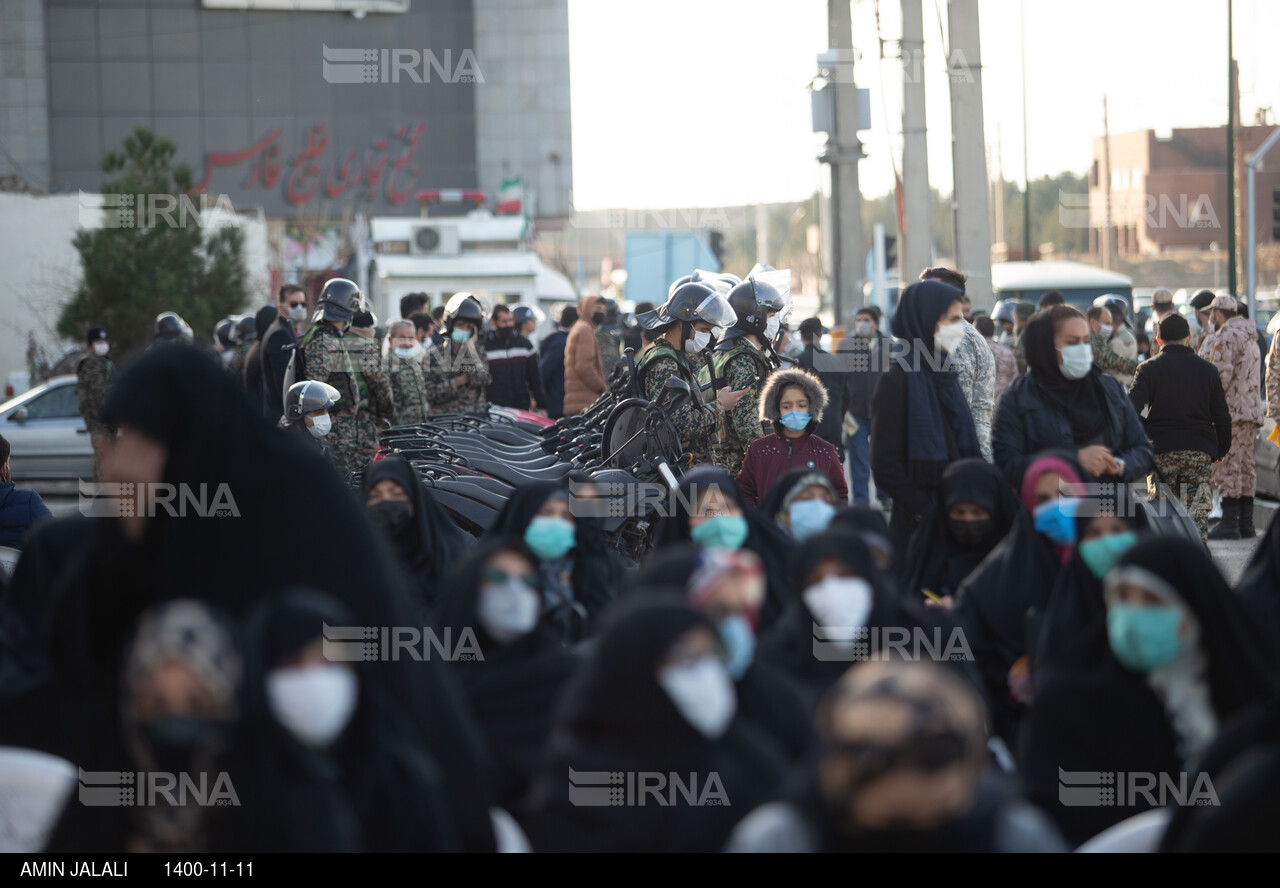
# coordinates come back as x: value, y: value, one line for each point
x: 245, y: 95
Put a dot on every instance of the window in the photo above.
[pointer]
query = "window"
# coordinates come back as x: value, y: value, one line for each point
x: 57, y: 403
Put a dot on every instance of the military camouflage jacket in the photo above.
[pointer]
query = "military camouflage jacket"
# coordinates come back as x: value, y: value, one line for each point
x: 93, y: 376
x: 444, y: 365
x: 1107, y: 360
x: 976, y: 367
x: 408, y: 389
x: 352, y: 365
x: 696, y: 423
x: 737, y: 367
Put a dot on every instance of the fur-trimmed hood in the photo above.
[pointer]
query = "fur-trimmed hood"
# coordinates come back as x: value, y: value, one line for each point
x: 771, y: 394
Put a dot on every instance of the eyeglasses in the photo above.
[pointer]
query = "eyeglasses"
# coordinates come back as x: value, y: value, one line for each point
x: 501, y: 578
x: 297, y: 304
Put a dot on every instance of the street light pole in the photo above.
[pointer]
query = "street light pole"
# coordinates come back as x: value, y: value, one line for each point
x: 1231, y: 159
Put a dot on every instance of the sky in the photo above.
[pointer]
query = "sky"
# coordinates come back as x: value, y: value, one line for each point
x: 704, y: 102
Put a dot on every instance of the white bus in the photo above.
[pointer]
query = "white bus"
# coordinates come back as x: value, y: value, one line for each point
x: 1079, y: 284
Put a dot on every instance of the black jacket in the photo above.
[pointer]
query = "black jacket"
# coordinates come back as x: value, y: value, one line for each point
x: 864, y: 362
x: 551, y: 352
x: 830, y: 427
x: 1027, y: 423
x: 1186, y: 408
x: 516, y: 376
x: 276, y: 350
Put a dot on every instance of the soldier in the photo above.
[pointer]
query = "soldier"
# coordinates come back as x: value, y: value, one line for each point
x: 403, y: 369
x: 94, y: 373
x: 682, y: 325
x: 352, y: 366
x: 1200, y: 302
x: 171, y: 328
x: 742, y: 361
x: 1233, y: 348
x: 306, y: 413
x: 457, y: 371
x: 245, y: 335
x: 1104, y: 356
x: 1273, y: 379
x: 1121, y: 340
x: 224, y: 341
x: 1022, y: 312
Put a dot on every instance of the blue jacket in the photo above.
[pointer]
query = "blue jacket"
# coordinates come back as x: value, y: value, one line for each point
x: 19, y: 510
x: 552, y: 353
x: 1026, y: 424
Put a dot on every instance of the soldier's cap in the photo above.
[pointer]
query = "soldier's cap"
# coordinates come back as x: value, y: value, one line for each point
x: 1162, y: 296
x: 1224, y: 302
x: 96, y: 334
x: 1201, y: 300
x: 1174, y: 328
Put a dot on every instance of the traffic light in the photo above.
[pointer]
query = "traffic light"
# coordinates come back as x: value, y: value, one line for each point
x: 890, y: 251
x: 715, y: 240
x: 1275, y: 214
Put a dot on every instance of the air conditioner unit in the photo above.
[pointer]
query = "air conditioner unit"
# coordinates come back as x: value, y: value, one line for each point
x: 435, y: 240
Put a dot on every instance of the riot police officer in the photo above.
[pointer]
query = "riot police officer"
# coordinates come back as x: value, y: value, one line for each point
x: 306, y: 412
x: 170, y: 327
x: 457, y: 370
x: 682, y: 326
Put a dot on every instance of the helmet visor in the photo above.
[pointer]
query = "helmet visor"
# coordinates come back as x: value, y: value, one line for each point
x: 716, y: 310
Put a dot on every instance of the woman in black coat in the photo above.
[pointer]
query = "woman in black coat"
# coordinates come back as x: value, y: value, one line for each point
x: 920, y: 420
x: 1066, y: 402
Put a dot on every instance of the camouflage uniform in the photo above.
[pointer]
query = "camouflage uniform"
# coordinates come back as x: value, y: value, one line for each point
x: 610, y: 349
x: 1106, y: 359
x: 238, y: 358
x: 1234, y: 351
x: 93, y: 376
x: 976, y: 366
x: 351, y: 365
x: 1019, y: 352
x: 445, y: 363
x: 408, y: 389
x: 695, y: 422
x: 1188, y: 474
x: 1273, y: 379
x: 739, y: 366
x: 1125, y: 346
x: 1006, y: 366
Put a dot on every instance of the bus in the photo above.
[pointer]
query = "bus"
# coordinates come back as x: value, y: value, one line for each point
x: 1079, y: 284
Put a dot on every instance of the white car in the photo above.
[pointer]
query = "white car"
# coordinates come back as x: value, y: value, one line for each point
x: 49, y: 442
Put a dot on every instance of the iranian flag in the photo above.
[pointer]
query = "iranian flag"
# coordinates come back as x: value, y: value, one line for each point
x: 511, y: 196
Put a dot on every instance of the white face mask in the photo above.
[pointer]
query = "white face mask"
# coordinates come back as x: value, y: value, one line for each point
x: 703, y: 693
x: 509, y: 611
x: 1105, y: 330
x: 865, y: 329
x: 315, y: 703
x: 320, y: 426
x: 701, y: 339
x: 298, y: 314
x: 101, y: 348
x: 771, y: 329
x: 1076, y: 360
x: 949, y: 336
x: 406, y: 352
x: 840, y: 603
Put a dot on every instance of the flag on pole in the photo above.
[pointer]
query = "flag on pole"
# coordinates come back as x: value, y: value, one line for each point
x: 511, y: 196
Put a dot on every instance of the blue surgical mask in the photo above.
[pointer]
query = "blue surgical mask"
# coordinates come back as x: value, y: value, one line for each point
x: 796, y: 421
x: 1056, y: 519
x: 739, y: 643
x: 721, y: 532
x: 1104, y: 553
x: 1076, y: 360
x: 550, y: 538
x: 808, y: 517
x: 460, y: 336
x: 1144, y: 638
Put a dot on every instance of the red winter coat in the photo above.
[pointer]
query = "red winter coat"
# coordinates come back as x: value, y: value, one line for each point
x: 771, y: 457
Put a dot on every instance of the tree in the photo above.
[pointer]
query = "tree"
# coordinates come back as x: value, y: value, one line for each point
x: 164, y: 262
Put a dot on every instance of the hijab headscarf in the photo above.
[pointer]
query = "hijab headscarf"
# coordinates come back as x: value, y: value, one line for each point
x: 513, y: 687
x: 594, y: 571
x: 616, y: 718
x: 870, y: 525
x: 777, y: 501
x: 374, y: 789
x: 1081, y: 401
x: 935, y: 559
x: 935, y: 401
x: 1064, y: 465
x: 429, y: 544
x: 764, y: 537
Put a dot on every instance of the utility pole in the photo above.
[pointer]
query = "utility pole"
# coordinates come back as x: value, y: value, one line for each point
x: 844, y: 156
x: 1106, y: 165
x: 916, y: 252
x: 1000, y: 236
x: 969, y: 151
x: 1026, y: 179
x: 1231, y: 158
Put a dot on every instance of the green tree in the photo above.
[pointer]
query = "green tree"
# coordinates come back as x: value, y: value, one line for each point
x: 165, y: 263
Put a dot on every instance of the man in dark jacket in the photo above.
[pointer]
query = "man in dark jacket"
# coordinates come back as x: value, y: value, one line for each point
x: 831, y: 427
x: 278, y: 345
x: 517, y: 378
x: 551, y: 358
x: 19, y: 509
x: 864, y: 363
x: 1184, y: 412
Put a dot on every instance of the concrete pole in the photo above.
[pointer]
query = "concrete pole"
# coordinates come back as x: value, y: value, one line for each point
x: 850, y: 248
x: 968, y: 151
x: 916, y: 253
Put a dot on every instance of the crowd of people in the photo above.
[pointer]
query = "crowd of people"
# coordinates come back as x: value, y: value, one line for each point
x: 786, y: 670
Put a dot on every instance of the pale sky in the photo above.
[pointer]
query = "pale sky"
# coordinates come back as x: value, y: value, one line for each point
x: 704, y: 103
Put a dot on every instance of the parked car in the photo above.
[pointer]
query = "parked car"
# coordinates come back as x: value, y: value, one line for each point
x: 50, y: 444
